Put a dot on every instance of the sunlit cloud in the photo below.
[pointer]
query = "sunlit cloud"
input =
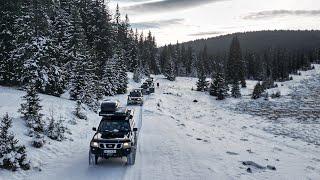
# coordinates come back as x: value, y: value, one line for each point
x: 166, y: 5
x: 207, y: 33
x: 281, y: 13
x: 157, y: 24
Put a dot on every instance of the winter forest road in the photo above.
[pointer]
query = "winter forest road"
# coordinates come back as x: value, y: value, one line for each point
x: 162, y: 152
x: 183, y: 139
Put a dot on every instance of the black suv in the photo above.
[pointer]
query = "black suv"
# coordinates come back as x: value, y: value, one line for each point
x: 116, y: 135
x: 150, y: 83
x: 145, y: 88
x: 135, y: 97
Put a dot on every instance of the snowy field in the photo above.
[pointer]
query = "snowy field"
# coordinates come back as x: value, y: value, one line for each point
x: 182, y: 139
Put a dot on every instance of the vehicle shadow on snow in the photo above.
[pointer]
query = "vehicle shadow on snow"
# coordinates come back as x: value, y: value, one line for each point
x: 115, y: 167
x: 112, y: 163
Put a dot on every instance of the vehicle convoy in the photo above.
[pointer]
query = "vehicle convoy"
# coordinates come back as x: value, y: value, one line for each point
x: 116, y: 135
x: 135, y: 97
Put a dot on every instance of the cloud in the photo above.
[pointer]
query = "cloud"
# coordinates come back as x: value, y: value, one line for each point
x: 156, y: 24
x: 280, y: 13
x: 166, y: 5
x: 208, y: 33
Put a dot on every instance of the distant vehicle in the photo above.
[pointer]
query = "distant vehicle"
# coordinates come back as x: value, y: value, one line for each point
x: 135, y: 97
x: 151, y: 85
x: 145, y: 88
x: 116, y: 135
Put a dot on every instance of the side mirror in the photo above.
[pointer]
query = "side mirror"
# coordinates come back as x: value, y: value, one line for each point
x: 135, y: 129
x: 94, y: 129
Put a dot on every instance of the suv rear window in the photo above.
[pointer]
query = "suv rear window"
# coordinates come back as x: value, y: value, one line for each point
x: 111, y: 125
x: 135, y: 94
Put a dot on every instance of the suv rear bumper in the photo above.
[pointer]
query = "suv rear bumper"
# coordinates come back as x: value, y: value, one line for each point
x: 135, y: 101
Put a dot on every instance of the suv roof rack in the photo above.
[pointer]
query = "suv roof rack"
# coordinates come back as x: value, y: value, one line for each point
x: 120, y: 111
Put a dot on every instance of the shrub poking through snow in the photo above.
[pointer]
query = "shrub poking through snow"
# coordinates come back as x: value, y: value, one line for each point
x: 55, y: 130
x: 257, y: 91
x: 268, y: 83
x: 38, y: 140
x: 276, y: 94
x: 78, y: 111
x: 12, y: 155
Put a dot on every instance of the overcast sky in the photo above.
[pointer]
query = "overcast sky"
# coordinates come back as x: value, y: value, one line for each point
x: 184, y: 20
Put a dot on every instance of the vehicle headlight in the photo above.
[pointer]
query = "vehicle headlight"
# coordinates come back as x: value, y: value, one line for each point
x: 94, y: 144
x: 126, y: 145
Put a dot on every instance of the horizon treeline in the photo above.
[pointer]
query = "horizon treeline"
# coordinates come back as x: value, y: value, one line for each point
x: 264, y: 55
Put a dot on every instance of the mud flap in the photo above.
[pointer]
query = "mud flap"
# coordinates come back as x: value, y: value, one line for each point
x: 91, y: 158
x: 131, y: 158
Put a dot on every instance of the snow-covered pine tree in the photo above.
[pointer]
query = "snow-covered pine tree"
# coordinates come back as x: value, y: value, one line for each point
x: 126, y: 41
x: 60, y: 38
x: 202, y: 84
x: 193, y: 65
x: 213, y: 90
x: 110, y: 80
x: 169, y: 70
x: 34, y: 49
x: 8, y: 68
x: 137, y: 73
x: 152, y: 53
x: 257, y: 91
x: 93, y: 88
x: 235, y: 90
x: 235, y: 64
x: 123, y: 77
x: 30, y: 109
x: 12, y: 155
x: 222, y: 87
x: 99, y: 32
x: 242, y: 72
x: 25, y: 44
x: 78, y: 81
x: 51, y: 47
x: 218, y: 87
x: 133, y: 47
x: 83, y: 78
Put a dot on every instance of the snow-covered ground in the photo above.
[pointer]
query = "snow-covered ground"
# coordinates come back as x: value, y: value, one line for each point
x: 179, y: 139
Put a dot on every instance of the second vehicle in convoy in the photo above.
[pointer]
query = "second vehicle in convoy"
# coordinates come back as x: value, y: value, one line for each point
x: 135, y: 97
x: 148, y: 87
